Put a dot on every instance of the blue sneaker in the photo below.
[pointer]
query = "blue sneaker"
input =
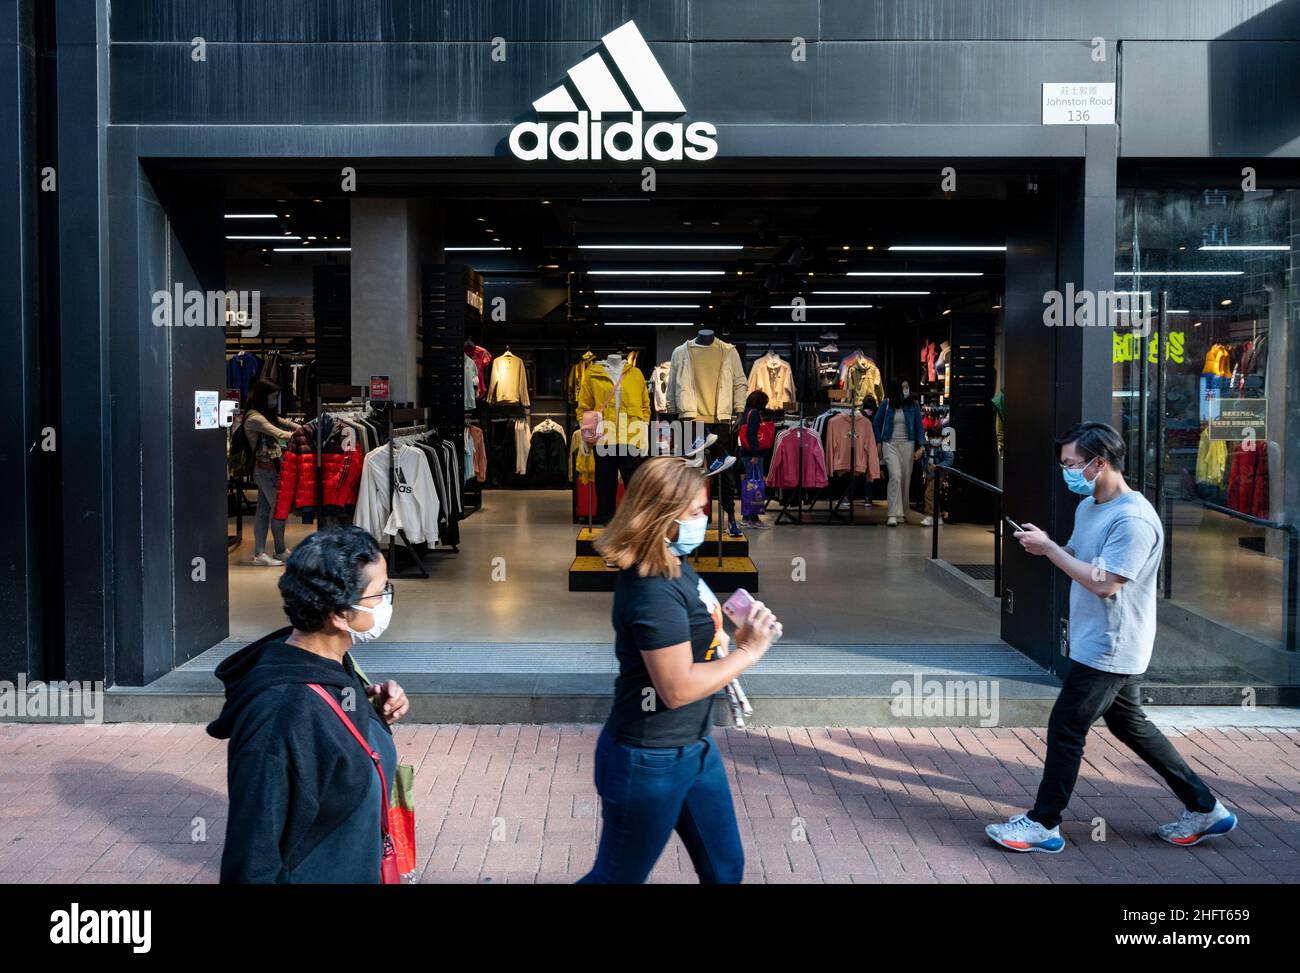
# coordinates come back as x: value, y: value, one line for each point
x: 1195, y: 826
x: 701, y: 444
x: 733, y: 530
x: 720, y: 464
x: 1022, y: 834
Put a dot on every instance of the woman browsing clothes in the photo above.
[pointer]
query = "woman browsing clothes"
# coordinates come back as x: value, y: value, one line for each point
x: 267, y: 435
x: 657, y: 770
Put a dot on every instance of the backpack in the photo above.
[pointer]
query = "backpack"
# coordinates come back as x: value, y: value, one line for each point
x: 241, y: 454
x: 766, y: 435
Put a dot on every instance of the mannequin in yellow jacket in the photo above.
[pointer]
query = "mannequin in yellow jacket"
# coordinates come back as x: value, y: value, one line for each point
x: 624, y: 425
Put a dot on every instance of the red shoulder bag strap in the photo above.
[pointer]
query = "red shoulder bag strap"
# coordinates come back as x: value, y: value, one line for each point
x: 383, y: 783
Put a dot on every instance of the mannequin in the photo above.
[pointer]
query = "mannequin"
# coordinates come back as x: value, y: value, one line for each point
x: 626, y: 419
x: 707, y: 383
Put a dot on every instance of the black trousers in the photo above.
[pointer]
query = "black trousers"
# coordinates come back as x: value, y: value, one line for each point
x: 608, y: 469
x: 727, y: 484
x: 1087, y: 695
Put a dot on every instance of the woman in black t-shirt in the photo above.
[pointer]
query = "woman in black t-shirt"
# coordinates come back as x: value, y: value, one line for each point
x: 656, y: 768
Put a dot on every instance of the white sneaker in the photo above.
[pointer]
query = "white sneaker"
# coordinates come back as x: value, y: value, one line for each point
x: 892, y: 522
x: 927, y: 521
x: 1023, y: 834
x: 265, y: 560
x: 1195, y: 826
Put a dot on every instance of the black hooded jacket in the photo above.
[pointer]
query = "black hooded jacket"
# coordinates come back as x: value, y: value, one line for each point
x: 304, y: 795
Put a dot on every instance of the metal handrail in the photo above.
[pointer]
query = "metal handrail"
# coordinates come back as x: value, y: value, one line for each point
x: 997, y: 524
x: 1290, y: 574
x: 1250, y: 519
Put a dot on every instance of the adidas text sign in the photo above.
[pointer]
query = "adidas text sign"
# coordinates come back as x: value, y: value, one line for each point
x: 622, y: 79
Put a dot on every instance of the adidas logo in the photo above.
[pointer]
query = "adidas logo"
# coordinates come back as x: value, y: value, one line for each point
x: 643, y: 90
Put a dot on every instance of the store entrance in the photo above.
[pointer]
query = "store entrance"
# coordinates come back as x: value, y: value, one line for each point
x: 828, y: 295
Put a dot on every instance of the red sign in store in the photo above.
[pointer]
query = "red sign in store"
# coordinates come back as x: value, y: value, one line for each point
x: 379, y: 387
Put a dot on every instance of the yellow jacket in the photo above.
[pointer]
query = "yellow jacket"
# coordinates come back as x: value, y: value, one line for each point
x: 1216, y: 362
x: 631, y: 403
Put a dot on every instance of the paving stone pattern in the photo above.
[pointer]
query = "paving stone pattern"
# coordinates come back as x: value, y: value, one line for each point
x: 516, y: 803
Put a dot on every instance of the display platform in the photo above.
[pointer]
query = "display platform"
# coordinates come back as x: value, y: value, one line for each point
x: 731, y: 546
x: 591, y: 574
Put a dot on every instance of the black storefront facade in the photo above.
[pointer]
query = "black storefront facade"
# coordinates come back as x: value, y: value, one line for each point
x: 114, y: 565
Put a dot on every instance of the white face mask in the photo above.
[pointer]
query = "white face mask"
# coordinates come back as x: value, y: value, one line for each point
x: 383, y: 614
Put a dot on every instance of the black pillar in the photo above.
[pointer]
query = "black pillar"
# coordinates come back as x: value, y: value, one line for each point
x: 1064, y: 233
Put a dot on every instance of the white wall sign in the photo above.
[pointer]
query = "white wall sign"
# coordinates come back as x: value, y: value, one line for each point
x: 1078, y: 103
x: 205, y: 410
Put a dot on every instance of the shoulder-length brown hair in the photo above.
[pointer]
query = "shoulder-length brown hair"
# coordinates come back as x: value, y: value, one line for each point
x: 658, y: 495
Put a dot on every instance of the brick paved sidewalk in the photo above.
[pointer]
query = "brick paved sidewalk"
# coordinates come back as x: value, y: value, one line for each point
x: 118, y: 803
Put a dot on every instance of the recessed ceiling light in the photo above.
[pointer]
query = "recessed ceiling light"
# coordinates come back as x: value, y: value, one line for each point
x: 657, y: 246
x: 1179, y: 273
x: 665, y: 273
x: 800, y: 324
x: 947, y: 311
x: 647, y: 292
x: 1225, y: 302
x: 274, y: 236
x: 870, y: 293
x: 945, y: 247
x: 915, y: 273
x: 546, y: 202
x: 475, y: 249
x: 250, y: 216
x: 1250, y: 246
x: 647, y: 306
x: 821, y: 307
x: 313, y: 249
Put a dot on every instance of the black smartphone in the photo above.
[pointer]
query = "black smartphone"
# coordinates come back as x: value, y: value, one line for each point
x: 1013, y: 524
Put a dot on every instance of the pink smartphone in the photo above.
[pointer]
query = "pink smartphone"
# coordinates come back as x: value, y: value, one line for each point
x: 737, y: 606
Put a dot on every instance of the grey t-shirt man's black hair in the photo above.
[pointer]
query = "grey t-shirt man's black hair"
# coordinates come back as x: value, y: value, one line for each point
x: 1123, y: 536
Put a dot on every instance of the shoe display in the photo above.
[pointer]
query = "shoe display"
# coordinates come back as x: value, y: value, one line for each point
x: 702, y: 443
x: 1195, y: 826
x: 720, y: 464
x: 1023, y: 834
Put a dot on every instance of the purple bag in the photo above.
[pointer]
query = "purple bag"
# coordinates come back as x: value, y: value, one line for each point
x: 753, y: 497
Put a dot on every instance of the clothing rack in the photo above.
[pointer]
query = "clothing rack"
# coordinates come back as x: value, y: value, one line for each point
x: 421, y: 419
x: 329, y: 393
x: 833, y: 514
x: 783, y: 516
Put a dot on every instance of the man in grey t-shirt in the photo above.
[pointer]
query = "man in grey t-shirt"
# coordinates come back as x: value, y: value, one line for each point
x: 1113, y: 561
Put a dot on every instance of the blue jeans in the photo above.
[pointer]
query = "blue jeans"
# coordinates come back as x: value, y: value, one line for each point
x: 646, y: 793
x: 268, y: 483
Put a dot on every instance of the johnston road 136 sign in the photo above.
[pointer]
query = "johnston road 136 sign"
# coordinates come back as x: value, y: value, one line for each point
x: 614, y: 121
x: 1078, y: 103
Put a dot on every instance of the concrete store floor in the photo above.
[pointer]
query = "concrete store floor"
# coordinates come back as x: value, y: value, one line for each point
x: 864, y: 585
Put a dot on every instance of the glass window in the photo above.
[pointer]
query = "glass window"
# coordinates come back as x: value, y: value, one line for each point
x: 1204, y: 376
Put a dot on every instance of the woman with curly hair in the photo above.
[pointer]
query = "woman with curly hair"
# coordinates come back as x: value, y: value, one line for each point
x: 306, y: 799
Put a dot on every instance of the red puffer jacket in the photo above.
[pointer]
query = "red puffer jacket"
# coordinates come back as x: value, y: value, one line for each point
x: 341, y: 462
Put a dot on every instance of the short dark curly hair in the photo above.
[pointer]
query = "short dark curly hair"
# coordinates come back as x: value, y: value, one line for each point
x: 324, y: 575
